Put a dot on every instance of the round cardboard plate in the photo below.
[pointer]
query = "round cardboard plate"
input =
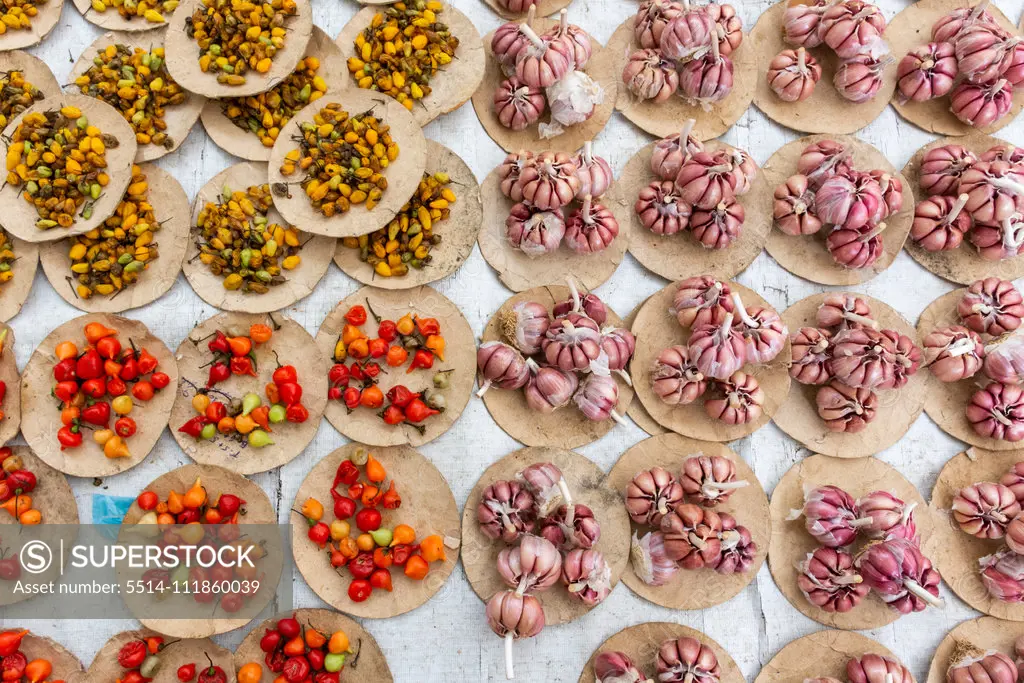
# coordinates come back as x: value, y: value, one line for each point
x: 42, y: 24
x: 111, y: 20
x: 824, y: 653
x: 636, y: 411
x: 545, y: 8
x: 14, y: 293
x: 66, y: 665
x: 34, y: 69
x: 9, y: 375
x: 104, y: 667
x: 984, y: 633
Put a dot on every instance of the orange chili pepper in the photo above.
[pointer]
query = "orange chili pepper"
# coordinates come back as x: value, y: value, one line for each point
x: 436, y: 343
x: 375, y: 472
x: 17, y: 505
x: 294, y: 647
x: 175, y: 502
x: 261, y: 415
x: 350, y: 333
x: 313, y: 509
x: 272, y: 392
x: 69, y: 414
x: 359, y: 348
x: 396, y: 357
x: 347, y: 547
x: 165, y: 519
x: 432, y: 548
x: 226, y: 425
x: 260, y: 333
x: 314, y: 638
x: 403, y: 534
x: 416, y: 568
x: 31, y: 518
x: 251, y: 672
x: 370, y: 496
x: 428, y: 326
x: 405, y: 325
x: 65, y: 350
x: 38, y: 670
x: 240, y: 346
x: 372, y: 397
x: 195, y: 496
x: 96, y: 331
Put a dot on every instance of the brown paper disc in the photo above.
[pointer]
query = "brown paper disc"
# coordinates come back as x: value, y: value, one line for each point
x: 601, y: 68
x: 66, y: 666
x: 11, y: 405
x: 112, y: 20
x: 545, y: 8
x: 178, y: 653
x: 453, y: 84
x: 42, y: 24
x: 179, y: 118
x: 825, y: 111
x: 14, y: 293
x: 40, y: 430
x: 958, y: 559
x: 519, y: 272
x: 824, y: 653
x: 913, y: 27
x: 22, y: 216
x: 183, y: 55
x: 665, y: 118
x: 962, y: 265
x: 293, y: 346
x: 242, y: 142
x: 34, y: 69
x: 52, y: 495
x: 636, y: 411
x: 702, y: 588
x: 563, y: 428
x: 642, y: 642
x: 677, y: 257
x: 367, y: 665
x: 790, y: 543
x: 807, y: 256
x: 403, y: 174
x: 946, y: 402
x: 299, y: 283
x: 898, y: 409
x: 427, y: 505
x: 656, y: 329
x: 985, y: 633
x: 169, y: 201
x: 589, y: 486
x: 363, y: 424
x: 458, y: 233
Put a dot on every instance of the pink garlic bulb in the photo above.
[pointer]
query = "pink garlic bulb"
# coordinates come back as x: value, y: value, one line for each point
x: 977, y: 666
x: 668, y: 156
x: 729, y: 26
x: 661, y: 209
x: 811, y: 355
x: 984, y: 509
x: 981, y: 104
x: 764, y: 333
x: 509, y: 171
x: 940, y: 223
x: 892, y: 193
x: 1004, y: 360
x: 650, y: 21
x: 793, y: 209
x: 541, y: 63
x: 738, y: 548
x: 744, y: 168
x: 506, y: 511
x: 719, y: 227
x: 532, y: 566
x: 908, y: 359
x: 949, y: 27
x: 1013, y: 65
x: 709, y: 479
x: 573, y: 343
x: 533, y: 231
x: 525, y: 325
x: 652, y: 494
x: 1002, y: 573
x: 738, y: 400
x: 649, y: 76
x: 701, y: 300
x: 618, y: 344
x: 705, y: 180
x: 517, y: 105
x: 997, y: 412
x: 545, y: 481
x: 511, y: 616
x: 550, y: 182
x: 872, y: 668
x: 594, y: 172
x: 572, y: 100
x: 800, y: 23
x: 649, y: 561
x: 845, y: 408
x: 688, y: 35
x: 687, y: 660
x: 707, y: 79
x: 856, y: 248
x: 845, y: 311
x: 831, y: 516
x: 823, y: 159
x: 991, y: 306
x: 981, y: 50
x: 589, y: 305
x: 999, y: 240
x: 1015, y: 534
x: 509, y: 40
x: 901, y: 575
x: 1014, y: 480
x: 792, y: 75
x: 500, y: 365
x: 942, y: 167
x: 863, y: 358
x: 718, y: 351
x: 829, y: 580
x: 692, y: 536
x: 548, y: 389
x: 571, y: 527
x: 1008, y: 153
x: 926, y: 72
x: 675, y: 379
x: 890, y: 516
x: 591, y: 228
x: 953, y: 353
x: 587, y: 576
x: 853, y: 27
x: 994, y: 189
x: 597, y: 398
x: 859, y: 78
x: 616, y: 667
x: 572, y: 40
x: 848, y: 202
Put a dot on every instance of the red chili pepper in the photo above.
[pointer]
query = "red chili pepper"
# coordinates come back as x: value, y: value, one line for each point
x: 125, y: 427
x: 129, y: 368
x: 69, y: 437
x: 65, y: 391
x: 154, y: 644
x: 285, y: 373
x: 381, y: 579
x: 359, y: 590
x: 421, y: 359
x: 397, y: 355
x: 143, y: 390
x: 347, y: 473
x: 338, y: 375
x: 382, y: 557
x: 111, y: 368
x: 355, y: 491
x: 361, y: 565
x: 296, y: 413
x: 94, y: 388
x: 219, y: 343
x: 13, y: 666
x: 21, y: 481
x: 109, y: 348
x: 334, y: 394
x: 368, y: 519
x: 316, y: 659
x: 327, y: 677
x: 194, y: 427
x: 213, y: 673
x: 372, y: 370
x: 186, y: 672
x: 400, y: 395
x: 134, y: 676
x: 160, y: 380
x: 378, y: 347
x: 387, y: 330
x: 356, y: 372
x: 216, y: 411
x: 147, y: 362
x: 97, y: 414
x: 352, y: 396
x: 5, y: 452
x: 132, y: 654
x: 428, y: 326
x: 10, y: 641
x: 89, y: 365
x: 116, y: 386
x: 291, y: 392
x: 241, y: 365
x: 275, y: 660
x: 319, y: 533
x: 391, y: 500
x: 393, y: 415
x: 401, y: 553
x: 344, y: 507
x: 356, y: 316
x: 64, y: 371
x: 219, y: 372
x: 418, y: 411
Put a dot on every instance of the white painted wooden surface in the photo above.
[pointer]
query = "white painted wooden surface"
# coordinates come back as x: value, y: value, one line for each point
x: 448, y: 639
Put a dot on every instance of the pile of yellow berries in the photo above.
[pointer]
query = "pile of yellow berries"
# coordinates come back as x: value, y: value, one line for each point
x: 153, y: 12
x: 17, y: 14
x: 16, y: 95
x: 6, y: 264
x: 236, y: 36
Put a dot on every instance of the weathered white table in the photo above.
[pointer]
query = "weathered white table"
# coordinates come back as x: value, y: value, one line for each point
x: 448, y: 639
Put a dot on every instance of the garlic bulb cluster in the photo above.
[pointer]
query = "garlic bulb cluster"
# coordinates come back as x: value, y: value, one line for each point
x: 677, y: 660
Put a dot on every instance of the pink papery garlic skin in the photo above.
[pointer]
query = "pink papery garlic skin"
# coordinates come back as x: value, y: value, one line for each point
x: 688, y: 35
x: 550, y: 181
x: 951, y: 25
x: 892, y: 193
x: 525, y: 324
x: 800, y: 23
x: 981, y: 51
x: 542, y: 63
x: 1015, y: 534
x: 991, y: 306
x: 707, y: 179
x: 649, y: 561
x: 587, y: 576
x: 532, y: 566
x: 718, y: 351
x: 997, y: 412
x: 616, y: 667
x: 573, y: 343
x: 829, y: 580
x: 548, y: 389
x: 994, y: 189
x: 953, y: 353
x: 822, y: 160
x: 687, y: 660
x: 719, y: 227
x: 572, y: 101
x: 701, y: 300
x: 509, y: 171
x: 649, y: 76
x: 661, y: 209
x: 1014, y: 480
x: 709, y: 479
x: 973, y: 665
x: 984, y: 509
x: 998, y: 241
x: 512, y: 616
x: 872, y: 668
x: 572, y: 41
x: 1004, y: 360
x: 831, y: 516
x: 738, y: 547
x: 594, y: 172
x: 650, y: 21
x: 764, y: 333
x: 908, y: 360
x: 863, y: 358
x: 793, y: 209
x: 811, y: 350
x: 847, y: 202
x: 853, y: 27
x: 744, y: 168
x: 675, y: 379
x: 792, y: 75
x: 707, y: 79
x: 942, y: 167
x: 545, y: 481
x: 591, y: 228
x: 856, y: 248
x: 506, y: 511
x: 1004, y: 152
x: 981, y: 104
x: 1002, y: 573
x: 517, y: 105
x: 501, y: 366
x: 692, y: 536
x: 940, y: 223
x: 844, y: 311
x: 532, y: 231
x: 741, y: 400
x: 651, y: 495
x: 589, y: 305
x: 618, y: 344
x: 728, y: 26
x: 859, y: 78
x: 668, y: 156
x: 901, y: 575
x: 844, y: 408
x: 891, y: 517
x: 597, y: 398
x: 571, y: 527
x: 926, y: 72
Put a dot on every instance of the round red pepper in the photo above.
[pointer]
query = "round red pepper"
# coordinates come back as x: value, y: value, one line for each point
x: 291, y: 392
x: 97, y: 414
x: 125, y: 427
x: 295, y: 669
x: 316, y: 659
x: 275, y: 661
x: 381, y: 579
x: 400, y: 395
x: 219, y: 343
x: 69, y: 437
x: 186, y: 672
x: 387, y: 330
x: 132, y: 654
x: 289, y: 627
x: 319, y: 533
x: 368, y: 519
x: 109, y: 348
x: 242, y: 365
x: 352, y: 397
x: 344, y: 507
x: 378, y: 347
x: 296, y: 413
x: 338, y: 375
x: 94, y: 388
x: 160, y: 380
x: 270, y: 640
x: 216, y: 411
x: 219, y: 372
x: 356, y: 316
x: 147, y: 362
x: 130, y: 367
x: 359, y: 590
x: 90, y: 365
x: 116, y: 386
x: 13, y: 666
x: 143, y: 390
x: 361, y: 566
x: 65, y: 391
x: 64, y: 371
x: 285, y: 373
